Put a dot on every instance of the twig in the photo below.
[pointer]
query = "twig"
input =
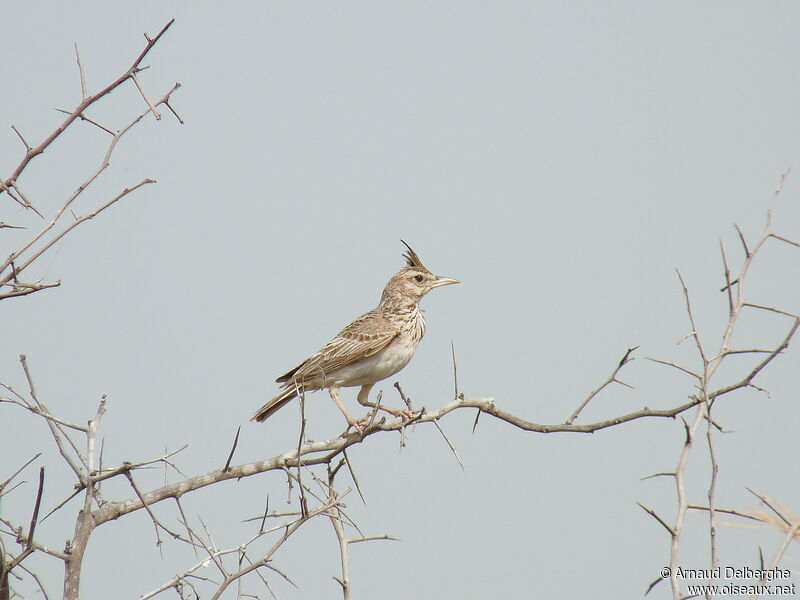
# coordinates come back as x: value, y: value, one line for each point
x: 727, y: 511
x: 25, y: 202
x: 81, y: 72
x: 22, y: 139
x: 770, y: 309
x: 450, y: 445
x: 37, y: 580
x: 653, y: 514
x: 694, y: 333
x: 56, y: 432
x: 36, y: 506
x: 264, y: 518
x: 680, y: 490
x: 79, y: 489
x: 712, y: 529
x: 654, y: 475
x: 353, y: 476
x: 171, y: 109
x: 406, y: 400
x: 783, y: 239
x: 233, y: 449
x: 146, y: 98
x: 28, y: 288
x: 335, y: 519
x: 455, y: 370
x: 675, y: 366
x: 17, y: 472
x: 741, y: 239
x: 611, y: 379
x: 301, y: 438
x: 159, y: 542
x: 766, y: 501
x: 185, y: 521
x: 727, y: 278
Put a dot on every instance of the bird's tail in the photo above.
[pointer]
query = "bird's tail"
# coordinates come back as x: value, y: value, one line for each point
x: 275, y: 404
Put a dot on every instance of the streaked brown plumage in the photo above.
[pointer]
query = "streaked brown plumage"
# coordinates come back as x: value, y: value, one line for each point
x: 373, y: 347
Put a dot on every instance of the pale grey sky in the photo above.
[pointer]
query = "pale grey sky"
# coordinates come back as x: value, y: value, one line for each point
x: 560, y: 159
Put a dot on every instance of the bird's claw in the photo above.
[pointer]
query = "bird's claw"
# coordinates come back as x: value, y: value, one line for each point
x: 406, y: 415
x: 357, y: 424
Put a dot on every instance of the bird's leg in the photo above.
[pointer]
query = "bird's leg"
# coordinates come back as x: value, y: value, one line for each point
x: 334, y: 392
x: 363, y: 400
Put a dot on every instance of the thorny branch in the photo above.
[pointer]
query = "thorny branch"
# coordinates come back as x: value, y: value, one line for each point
x: 626, y: 358
x: 705, y: 398
x: 14, y: 264
x: 85, y: 464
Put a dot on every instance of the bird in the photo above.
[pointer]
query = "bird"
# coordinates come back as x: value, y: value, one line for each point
x: 373, y: 347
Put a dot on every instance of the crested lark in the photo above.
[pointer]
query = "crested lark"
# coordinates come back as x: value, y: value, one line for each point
x: 373, y: 347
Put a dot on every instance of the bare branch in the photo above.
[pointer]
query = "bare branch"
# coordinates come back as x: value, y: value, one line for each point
x: 741, y: 239
x: 146, y: 98
x: 653, y: 514
x: 712, y: 528
x: 758, y: 368
x: 37, y: 505
x: 81, y: 72
x: 17, y: 472
x: 783, y: 239
x: 22, y: 139
x: 233, y: 449
x: 335, y: 519
x: 156, y: 524
x: 675, y: 366
x: 769, y: 505
x: 353, y: 476
x: 58, y: 434
x: 770, y: 309
x: 611, y: 379
x: 23, y: 289
x: 727, y: 511
x: 34, y: 152
x: 11, y: 182
x: 262, y: 562
x: 694, y: 333
x: 450, y: 445
x: 321, y: 452
x: 77, y: 222
x: 680, y: 490
x: 455, y: 370
x: 728, y: 286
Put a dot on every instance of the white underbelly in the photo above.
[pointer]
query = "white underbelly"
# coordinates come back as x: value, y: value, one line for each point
x: 380, y: 365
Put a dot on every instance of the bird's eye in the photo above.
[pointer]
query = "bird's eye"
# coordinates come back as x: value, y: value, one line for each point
x: 418, y: 278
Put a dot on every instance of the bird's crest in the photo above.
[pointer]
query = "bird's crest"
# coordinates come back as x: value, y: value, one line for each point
x: 412, y: 259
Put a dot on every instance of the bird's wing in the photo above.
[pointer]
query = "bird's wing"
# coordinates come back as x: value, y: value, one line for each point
x: 365, y: 336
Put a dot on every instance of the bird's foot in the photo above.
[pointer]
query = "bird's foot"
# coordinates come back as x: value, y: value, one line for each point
x: 358, y: 424
x: 406, y: 415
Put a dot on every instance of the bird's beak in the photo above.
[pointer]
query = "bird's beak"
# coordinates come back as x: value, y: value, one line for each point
x: 440, y: 281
